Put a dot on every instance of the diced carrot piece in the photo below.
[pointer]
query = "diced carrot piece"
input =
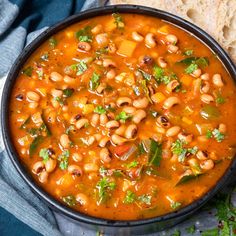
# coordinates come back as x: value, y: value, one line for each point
x: 66, y: 180
x: 126, y: 48
x: 121, y: 150
x: 163, y: 30
x: 186, y: 80
x: 158, y: 97
x: 187, y: 121
x: 110, y: 25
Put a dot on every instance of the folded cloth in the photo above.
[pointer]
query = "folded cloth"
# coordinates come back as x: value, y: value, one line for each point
x: 20, y: 22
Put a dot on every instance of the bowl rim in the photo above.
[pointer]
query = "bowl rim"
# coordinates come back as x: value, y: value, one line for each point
x: 21, y: 59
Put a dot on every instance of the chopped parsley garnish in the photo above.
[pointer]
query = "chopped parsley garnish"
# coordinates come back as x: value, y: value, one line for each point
x: 53, y: 42
x: 84, y: 35
x: 80, y: 67
x: 63, y: 158
x: 188, y: 52
x: 118, y: 20
x: 68, y: 92
x: 209, y: 134
x: 69, y: 200
x: 130, y: 197
x: 28, y: 71
x: 145, y: 198
x: 44, y: 154
x: 123, y: 116
x: 218, y: 135
x: 175, y: 205
x: 94, y: 81
x: 132, y: 164
x: 191, y: 68
x: 104, y: 187
x: 100, y: 110
x: 158, y: 73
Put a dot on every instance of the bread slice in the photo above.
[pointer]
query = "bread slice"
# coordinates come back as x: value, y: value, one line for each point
x: 217, y: 17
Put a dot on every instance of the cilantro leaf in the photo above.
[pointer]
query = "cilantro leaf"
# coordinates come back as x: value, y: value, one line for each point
x: 63, y: 158
x: 70, y: 200
x: 68, y: 92
x: 145, y: 75
x: 218, y: 135
x: 175, y: 205
x: 123, y: 116
x: 191, y: 68
x: 130, y: 197
x: 132, y: 164
x: 100, y: 110
x: 84, y: 35
x: 191, y: 229
x: 80, y: 67
x: 44, y: 154
x: 158, y: 73
x: 188, y: 52
x: 28, y: 71
x: 94, y: 81
x: 118, y: 20
x: 53, y: 42
x: 145, y: 198
x: 209, y: 134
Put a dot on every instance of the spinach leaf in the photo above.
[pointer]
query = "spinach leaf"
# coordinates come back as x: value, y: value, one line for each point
x: 94, y: 81
x: 34, y: 145
x: 187, y: 178
x: 199, y: 61
x: 155, y: 153
x: 23, y: 126
x: 68, y: 92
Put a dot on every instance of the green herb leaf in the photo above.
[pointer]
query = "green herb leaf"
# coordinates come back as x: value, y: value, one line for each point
x: 130, y: 197
x: 60, y: 100
x: 132, y: 164
x: 44, y: 154
x: 23, y: 126
x: 176, y: 233
x: 104, y: 187
x: 155, y: 153
x: 34, y: 145
x: 94, y: 82
x: 70, y: 128
x: 145, y: 89
x: 80, y: 67
x: 220, y: 99
x: 191, y: 229
x: 158, y: 73
x: 100, y: 110
x: 53, y: 42
x: 209, y: 134
x: 28, y: 71
x: 140, y: 149
x: 70, y: 200
x: 188, y: 52
x: 63, y: 158
x: 175, y: 205
x: 191, y: 68
x: 218, y: 135
x: 118, y: 20
x: 145, y: 198
x: 68, y: 92
x: 145, y: 75
x: 123, y: 116
x: 200, y: 61
x: 184, y: 179
x: 84, y: 35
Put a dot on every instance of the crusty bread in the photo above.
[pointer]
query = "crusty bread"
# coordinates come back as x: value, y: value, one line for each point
x: 217, y: 17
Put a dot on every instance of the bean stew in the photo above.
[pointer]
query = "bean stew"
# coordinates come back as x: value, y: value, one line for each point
x: 124, y: 117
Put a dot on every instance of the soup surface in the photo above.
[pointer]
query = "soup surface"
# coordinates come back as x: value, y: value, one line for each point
x: 124, y: 117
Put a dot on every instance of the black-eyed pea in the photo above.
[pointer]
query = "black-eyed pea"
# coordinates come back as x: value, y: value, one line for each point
x: 101, y: 87
x: 56, y: 77
x: 137, y: 37
x: 222, y: 128
x: 33, y: 105
x: 141, y: 103
x: 196, y: 73
x: 121, y: 130
x: 102, y: 39
x: 56, y: 93
x: 103, y: 119
x: 138, y: 116
x: 108, y: 63
x: 161, y: 62
x: 112, y: 124
x: 50, y: 165
x: 202, y: 155
x: 43, y: 176
x: 205, y: 76
x: 38, y: 167
x: 205, y: 87
x: 118, y: 140
x: 81, y: 123
x: 217, y: 80
x: 111, y: 74
x: 172, y: 48
x: 187, y: 138
x: 77, y: 157
x: 82, y: 199
x: 91, y: 167
x: 97, y: 137
x: 163, y: 121
x: 144, y: 60
x: 96, y: 29
x: 171, y: 39
x: 131, y: 131
x: 170, y: 102
x: 95, y: 120
x: 207, y: 98
x: 150, y: 40
x: 69, y: 80
x: 75, y: 170
x: 84, y: 46
x: 122, y: 101
x: 104, y: 141
x: 129, y: 110
x: 172, y: 85
x: 32, y: 96
x: 105, y: 155
x: 207, y: 164
x: 65, y: 141
x: 173, y: 131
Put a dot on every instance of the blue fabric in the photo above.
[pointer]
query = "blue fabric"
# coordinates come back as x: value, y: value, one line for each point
x: 20, y: 22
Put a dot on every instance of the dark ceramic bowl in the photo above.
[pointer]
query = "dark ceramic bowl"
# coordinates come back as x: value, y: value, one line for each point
x: 113, y: 226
